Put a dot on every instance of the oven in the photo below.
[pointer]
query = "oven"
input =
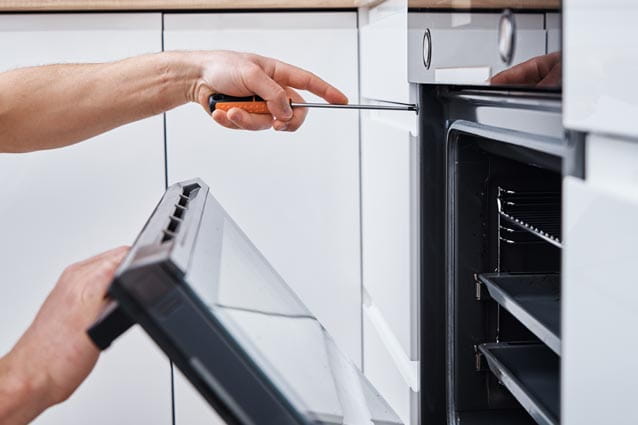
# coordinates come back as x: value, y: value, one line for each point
x: 491, y: 301
x: 492, y: 153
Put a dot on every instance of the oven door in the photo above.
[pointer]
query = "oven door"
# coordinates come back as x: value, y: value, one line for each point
x: 223, y: 315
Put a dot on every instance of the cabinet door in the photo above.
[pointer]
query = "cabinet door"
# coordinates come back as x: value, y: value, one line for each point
x: 600, y: 286
x: 390, y: 211
x: 383, y: 51
x: 600, y: 86
x: 63, y: 205
x: 390, y: 252
x: 600, y: 289
x: 296, y: 195
x: 385, y: 367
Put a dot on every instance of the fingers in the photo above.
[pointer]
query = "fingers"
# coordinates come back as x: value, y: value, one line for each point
x: 273, y: 81
x: 103, y: 266
x: 552, y: 59
x: 249, y: 121
x: 115, y: 254
x: 222, y: 119
x: 99, y: 274
x: 299, y: 114
x: 289, y: 75
x: 553, y: 77
x: 524, y: 73
x: 239, y: 119
x: 90, y: 278
x: 532, y: 71
x: 257, y: 81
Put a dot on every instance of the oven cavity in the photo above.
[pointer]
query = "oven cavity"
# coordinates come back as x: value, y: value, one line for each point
x: 504, y: 295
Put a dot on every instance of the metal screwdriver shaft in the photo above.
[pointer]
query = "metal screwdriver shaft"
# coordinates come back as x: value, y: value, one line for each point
x: 257, y: 105
x: 355, y: 106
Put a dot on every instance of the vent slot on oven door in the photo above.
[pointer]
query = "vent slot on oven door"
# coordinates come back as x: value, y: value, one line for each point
x: 177, y: 217
x: 504, y: 300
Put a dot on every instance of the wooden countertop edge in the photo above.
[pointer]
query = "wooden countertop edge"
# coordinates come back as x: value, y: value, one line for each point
x: 154, y: 5
x: 141, y: 5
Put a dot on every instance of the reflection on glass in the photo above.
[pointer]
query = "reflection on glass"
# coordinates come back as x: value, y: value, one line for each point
x: 541, y: 71
x: 270, y: 323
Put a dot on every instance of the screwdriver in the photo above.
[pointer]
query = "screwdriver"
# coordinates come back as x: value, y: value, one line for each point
x: 257, y: 105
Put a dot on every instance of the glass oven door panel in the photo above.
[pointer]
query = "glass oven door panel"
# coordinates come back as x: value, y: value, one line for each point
x: 232, y: 325
x: 271, y: 324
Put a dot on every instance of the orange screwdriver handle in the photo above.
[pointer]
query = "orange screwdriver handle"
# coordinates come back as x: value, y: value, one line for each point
x: 252, y: 104
x: 255, y: 107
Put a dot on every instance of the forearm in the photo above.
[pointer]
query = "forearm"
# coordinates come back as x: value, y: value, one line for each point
x: 57, y: 105
x: 22, y: 396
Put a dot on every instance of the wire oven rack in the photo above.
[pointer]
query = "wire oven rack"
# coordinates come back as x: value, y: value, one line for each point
x: 533, y: 212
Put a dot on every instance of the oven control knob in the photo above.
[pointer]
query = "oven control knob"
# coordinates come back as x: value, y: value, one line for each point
x: 506, y: 36
x: 427, y: 48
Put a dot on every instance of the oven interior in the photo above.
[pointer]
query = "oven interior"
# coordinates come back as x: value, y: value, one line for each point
x: 504, y: 298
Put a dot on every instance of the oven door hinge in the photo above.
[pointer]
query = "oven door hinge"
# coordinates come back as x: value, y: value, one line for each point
x: 479, y: 363
x: 479, y: 289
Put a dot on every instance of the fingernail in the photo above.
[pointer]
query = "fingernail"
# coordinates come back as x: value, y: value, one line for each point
x: 280, y: 126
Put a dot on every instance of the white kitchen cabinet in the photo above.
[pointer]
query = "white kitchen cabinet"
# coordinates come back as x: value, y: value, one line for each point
x: 462, y: 48
x: 600, y: 90
x: 390, y: 221
x: 612, y: 164
x: 383, y: 51
x: 600, y: 289
x: 390, y: 210
x: 600, y: 286
x: 296, y: 195
x: 388, y: 377
x: 64, y: 205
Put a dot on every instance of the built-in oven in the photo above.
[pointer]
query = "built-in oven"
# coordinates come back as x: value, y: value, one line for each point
x: 491, y: 304
x: 493, y: 156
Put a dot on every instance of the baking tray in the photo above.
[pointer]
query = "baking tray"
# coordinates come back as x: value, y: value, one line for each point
x: 531, y: 373
x: 534, y: 299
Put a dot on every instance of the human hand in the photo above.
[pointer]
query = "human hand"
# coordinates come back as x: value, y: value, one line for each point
x: 541, y: 71
x: 55, y: 354
x: 245, y: 74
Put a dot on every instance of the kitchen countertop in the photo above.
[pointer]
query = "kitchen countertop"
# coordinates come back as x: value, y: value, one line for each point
x: 79, y: 5
x: 57, y: 5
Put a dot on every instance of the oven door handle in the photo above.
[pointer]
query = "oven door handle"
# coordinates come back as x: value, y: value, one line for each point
x: 111, y: 323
